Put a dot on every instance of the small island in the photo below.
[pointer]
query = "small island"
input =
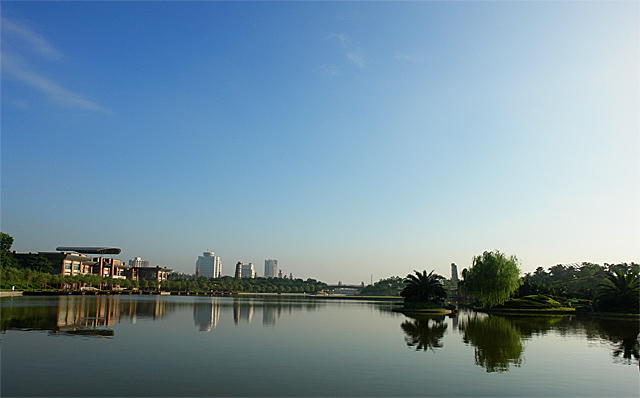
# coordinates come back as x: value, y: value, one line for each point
x: 424, y: 294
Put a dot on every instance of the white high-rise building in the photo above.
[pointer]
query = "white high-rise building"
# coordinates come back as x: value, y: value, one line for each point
x: 138, y: 262
x: 248, y: 271
x: 209, y: 265
x: 270, y: 268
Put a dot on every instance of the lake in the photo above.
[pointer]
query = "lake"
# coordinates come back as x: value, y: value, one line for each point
x: 295, y: 346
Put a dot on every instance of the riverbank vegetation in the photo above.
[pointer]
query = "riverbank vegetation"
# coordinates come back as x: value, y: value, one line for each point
x: 586, y: 287
x: 532, y: 303
x: 384, y: 287
x: 243, y: 285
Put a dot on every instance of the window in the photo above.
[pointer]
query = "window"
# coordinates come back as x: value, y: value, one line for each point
x: 67, y: 265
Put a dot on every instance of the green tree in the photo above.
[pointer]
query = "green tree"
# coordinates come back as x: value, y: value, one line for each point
x: 619, y: 291
x: 28, y: 275
x: 57, y: 280
x: 384, y: 287
x: 124, y: 283
x: 6, y: 258
x: 493, y: 277
x: 41, y: 279
x: 38, y: 262
x: 71, y: 280
x: 423, y: 287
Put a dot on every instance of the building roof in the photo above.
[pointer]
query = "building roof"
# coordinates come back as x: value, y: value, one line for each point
x: 90, y: 250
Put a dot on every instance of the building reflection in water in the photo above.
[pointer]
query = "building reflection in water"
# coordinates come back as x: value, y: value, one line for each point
x: 272, y: 309
x: 242, y: 311
x: 269, y: 314
x: 206, y: 315
x: 80, y: 315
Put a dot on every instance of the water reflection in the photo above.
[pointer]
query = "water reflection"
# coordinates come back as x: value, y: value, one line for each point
x: 269, y: 314
x: 80, y: 316
x: 424, y: 332
x: 242, y: 311
x: 206, y: 315
x: 623, y: 339
x: 499, y: 340
x: 498, y: 343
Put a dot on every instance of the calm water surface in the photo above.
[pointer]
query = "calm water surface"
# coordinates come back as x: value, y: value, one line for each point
x: 285, y: 346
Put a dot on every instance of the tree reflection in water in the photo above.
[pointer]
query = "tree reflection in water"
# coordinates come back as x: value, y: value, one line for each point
x: 424, y: 332
x: 623, y: 338
x: 498, y: 344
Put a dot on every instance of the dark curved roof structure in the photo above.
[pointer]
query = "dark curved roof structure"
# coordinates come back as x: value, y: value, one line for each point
x: 90, y: 250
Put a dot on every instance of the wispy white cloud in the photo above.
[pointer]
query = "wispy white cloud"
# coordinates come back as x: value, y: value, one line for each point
x: 56, y: 93
x: 16, y: 39
x: 357, y: 57
x: 352, y: 51
x: 29, y: 38
x: 342, y: 38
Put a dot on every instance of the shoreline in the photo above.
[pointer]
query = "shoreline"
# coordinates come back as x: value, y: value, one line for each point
x: 422, y: 312
x: 556, y: 313
x: 206, y: 294
x: 15, y: 293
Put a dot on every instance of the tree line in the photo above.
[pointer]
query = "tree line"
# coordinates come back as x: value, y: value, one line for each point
x: 494, y: 278
x: 246, y: 285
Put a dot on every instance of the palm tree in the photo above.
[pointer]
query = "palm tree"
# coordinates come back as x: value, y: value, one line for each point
x: 619, y: 291
x: 423, y: 287
x: 424, y: 333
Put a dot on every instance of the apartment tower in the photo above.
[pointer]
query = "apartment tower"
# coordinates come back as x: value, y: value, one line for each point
x: 209, y: 265
x: 270, y: 268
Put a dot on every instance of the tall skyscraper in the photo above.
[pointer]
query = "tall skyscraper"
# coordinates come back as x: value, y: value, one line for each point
x: 248, y: 271
x: 270, y: 268
x: 454, y: 272
x: 209, y: 265
x: 238, y: 273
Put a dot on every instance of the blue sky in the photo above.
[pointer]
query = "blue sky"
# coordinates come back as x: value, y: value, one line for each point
x: 345, y: 139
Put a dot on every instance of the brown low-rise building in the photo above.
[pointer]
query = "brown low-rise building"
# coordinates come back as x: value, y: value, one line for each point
x: 150, y: 274
x: 75, y: 261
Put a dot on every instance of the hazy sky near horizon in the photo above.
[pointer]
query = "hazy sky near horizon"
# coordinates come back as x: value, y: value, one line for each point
x: 345, y: 139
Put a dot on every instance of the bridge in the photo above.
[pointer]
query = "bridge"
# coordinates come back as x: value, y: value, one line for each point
x: 343, y: 286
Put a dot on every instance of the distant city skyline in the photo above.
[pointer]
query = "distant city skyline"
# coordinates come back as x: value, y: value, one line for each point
x: 345, y: 139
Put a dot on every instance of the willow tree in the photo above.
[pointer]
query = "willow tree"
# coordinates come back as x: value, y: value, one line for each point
x: 493, y: 277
